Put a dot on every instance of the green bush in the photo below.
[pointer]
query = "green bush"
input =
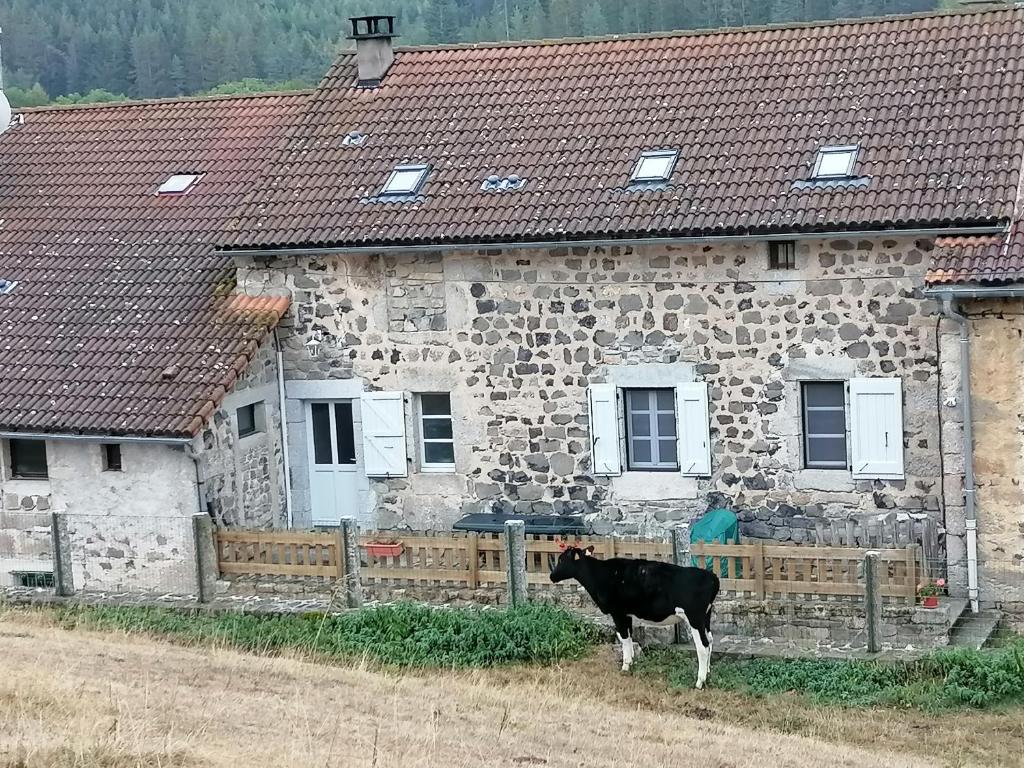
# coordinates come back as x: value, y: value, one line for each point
x: 403, y: 635
x: 942, y: 680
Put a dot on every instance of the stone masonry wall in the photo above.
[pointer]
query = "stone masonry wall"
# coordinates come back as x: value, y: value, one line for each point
x: 997, y: 360
x: 527, y: 331
x: 244, y: 477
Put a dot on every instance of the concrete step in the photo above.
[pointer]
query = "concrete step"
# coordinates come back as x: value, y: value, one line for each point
x: 973, y: 630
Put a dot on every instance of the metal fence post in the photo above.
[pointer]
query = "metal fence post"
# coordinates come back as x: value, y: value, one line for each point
x: 353, y: 587
x: 207, y: 570
x: 873, y: 601
x: 63, y: 577
x: 515, y: 561
x: 681, y: 557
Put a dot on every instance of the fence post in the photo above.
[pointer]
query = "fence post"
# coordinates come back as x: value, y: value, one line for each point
x: 207, y: 571
x: 473, y: 556
x: 873, y: 601
x: 681, y: 557
x: 63, y: 577
x: 912, y: 576
x: 515, y: 561
x: 353, y: 588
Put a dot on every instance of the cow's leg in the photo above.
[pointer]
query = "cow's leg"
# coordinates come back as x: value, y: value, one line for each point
x: 702, y: 643
x: 707, y: 629
x: 624, y: 629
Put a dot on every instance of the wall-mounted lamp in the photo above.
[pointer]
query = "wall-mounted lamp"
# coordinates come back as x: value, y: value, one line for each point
x: 314, y: 344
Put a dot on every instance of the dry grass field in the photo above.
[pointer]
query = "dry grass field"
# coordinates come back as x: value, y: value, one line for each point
x: 83, y: 699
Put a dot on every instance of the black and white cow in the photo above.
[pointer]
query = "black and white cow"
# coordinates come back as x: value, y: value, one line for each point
x: 652, y: 592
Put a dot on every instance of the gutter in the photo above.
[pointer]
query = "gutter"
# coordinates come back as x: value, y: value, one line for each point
x: 95, y: 438
x: 949, y: 296
x: 284, y: 430
x: 993, y: 229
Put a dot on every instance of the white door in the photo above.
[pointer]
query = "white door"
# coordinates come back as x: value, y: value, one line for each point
x: 333, y: 470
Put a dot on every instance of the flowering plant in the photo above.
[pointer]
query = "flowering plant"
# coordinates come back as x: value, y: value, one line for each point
x: 931, y: 589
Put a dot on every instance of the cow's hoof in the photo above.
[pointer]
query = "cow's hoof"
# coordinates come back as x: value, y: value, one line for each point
x: 700, y: 686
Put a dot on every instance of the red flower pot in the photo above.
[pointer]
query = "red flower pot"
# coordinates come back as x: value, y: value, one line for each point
x: 385, y: 550
x: 931, y: 601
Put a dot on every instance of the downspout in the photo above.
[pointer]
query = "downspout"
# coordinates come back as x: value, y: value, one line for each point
x: 284, y: 430
x: 190, y: 451
x: 971, y: 521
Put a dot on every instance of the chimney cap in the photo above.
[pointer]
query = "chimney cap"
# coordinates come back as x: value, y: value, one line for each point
x: 369, y: 27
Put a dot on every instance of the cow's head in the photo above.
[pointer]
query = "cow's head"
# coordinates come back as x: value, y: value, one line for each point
x: 568, y: 563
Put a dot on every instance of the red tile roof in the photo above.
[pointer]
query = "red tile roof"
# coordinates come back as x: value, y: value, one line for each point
x: 934, y: 102
x: 123, y: 320
x: 979, y: 260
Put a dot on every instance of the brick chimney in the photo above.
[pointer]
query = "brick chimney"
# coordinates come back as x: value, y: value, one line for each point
x: 374, y: 50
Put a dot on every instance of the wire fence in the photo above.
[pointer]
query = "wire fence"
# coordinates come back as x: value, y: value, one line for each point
x: 26, y: 549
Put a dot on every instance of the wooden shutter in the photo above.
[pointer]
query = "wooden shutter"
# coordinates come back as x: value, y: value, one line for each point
x: 694, y: 429
x: 876, y: 428
x: 383, y: 416
x: 604, y: 429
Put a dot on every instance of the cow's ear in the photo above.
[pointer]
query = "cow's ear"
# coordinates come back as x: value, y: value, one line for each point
x: 589, y: 550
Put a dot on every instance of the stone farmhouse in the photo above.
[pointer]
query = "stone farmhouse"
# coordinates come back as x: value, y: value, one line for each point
x: 630, y: 278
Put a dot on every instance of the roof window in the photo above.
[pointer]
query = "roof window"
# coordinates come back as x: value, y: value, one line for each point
x: 6, y: 286
x: 179, y: 184
x: 495, y: 183
x: 406, y: 180
x: 655, y: 166
x: 835, y: 162
x: 354, y: 139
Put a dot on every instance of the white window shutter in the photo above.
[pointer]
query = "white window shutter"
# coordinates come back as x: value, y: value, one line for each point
x: 876, y: 428
x: 383, y: 415
x: 604, y: 429
x: 693, y: 429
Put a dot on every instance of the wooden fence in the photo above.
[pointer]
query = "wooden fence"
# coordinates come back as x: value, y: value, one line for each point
x: 758, y: 570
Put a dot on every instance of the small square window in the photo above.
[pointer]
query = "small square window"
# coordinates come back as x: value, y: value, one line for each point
x: 250, y: 419
x: 28, y: 459
x: 112, y: 457
x: 437, y: 438
x: 178, y: 184
x: 782, y: 254
x: 655, y: 166
x: 824, y: 417
x: 651, y: 433
x: 406, y: 180
x: 835, y: 162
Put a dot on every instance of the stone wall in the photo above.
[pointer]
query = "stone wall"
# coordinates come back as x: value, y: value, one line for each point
x: 527, y: 331
x: 244, y: 476
x: 997, y: 360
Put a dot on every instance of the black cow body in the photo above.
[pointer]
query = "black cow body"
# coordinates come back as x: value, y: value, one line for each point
x: 646, y: 590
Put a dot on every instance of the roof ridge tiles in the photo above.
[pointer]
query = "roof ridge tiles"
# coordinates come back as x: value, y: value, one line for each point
x: 170, y: 100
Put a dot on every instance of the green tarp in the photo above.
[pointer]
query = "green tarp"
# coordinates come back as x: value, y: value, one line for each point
x: 719, y: 526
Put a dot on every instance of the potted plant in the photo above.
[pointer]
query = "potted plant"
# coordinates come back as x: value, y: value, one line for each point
x: 930, y: 593
x: 385, y: 548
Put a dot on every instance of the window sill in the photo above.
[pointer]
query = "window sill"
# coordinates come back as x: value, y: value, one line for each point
x: 634, y: 485
x: 447, y: 469
x: 837, y: 480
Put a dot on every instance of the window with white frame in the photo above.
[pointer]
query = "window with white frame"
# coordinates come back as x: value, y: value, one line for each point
x: 651, y: 429
x: 824, y: 424
x: 835, y: 162
x: 437, y: 438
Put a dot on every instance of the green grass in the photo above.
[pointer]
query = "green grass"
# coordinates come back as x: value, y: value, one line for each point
x: 944, y: 680
x: 403, y: 635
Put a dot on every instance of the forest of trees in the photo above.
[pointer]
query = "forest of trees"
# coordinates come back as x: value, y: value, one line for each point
x: 97, y: 50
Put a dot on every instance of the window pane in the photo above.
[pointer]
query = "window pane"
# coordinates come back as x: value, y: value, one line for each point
x: 824, y: 393
x: 322, y: 434
x: 641, y: 451
x: 346, y: 433
x: 641, y: 424
x: 437, y: 429
x: 436, y: 405
x: 666, y: 399
x: 826, y: 422
x: 668, y: 451
x: 639, y: 400
x: 666, y: 425
x: 439, y: 453
x: 246, y: 420
x: 835, y: 163
x: 28, y: 458
x: 830, y: 451
x: 112, y: 457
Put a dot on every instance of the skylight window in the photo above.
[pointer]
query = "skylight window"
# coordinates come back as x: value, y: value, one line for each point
x: 835, y: 162
x: 178, y: 184
x: 6, y: 286
x: 406, y: 180
x: 655, y: 166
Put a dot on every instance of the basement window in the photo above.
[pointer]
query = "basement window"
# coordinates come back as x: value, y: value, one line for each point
x: 34, y: 579
x: 655, y: 166
x: 112, y: 457
x: 406, y: 180
x: 782, y: 254
x: 835, y: 162
x: 179, y: 184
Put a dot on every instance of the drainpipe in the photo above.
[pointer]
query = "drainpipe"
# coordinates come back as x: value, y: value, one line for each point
x: 190, y: 451
x: 971, y: 522
x: 284, y: 430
